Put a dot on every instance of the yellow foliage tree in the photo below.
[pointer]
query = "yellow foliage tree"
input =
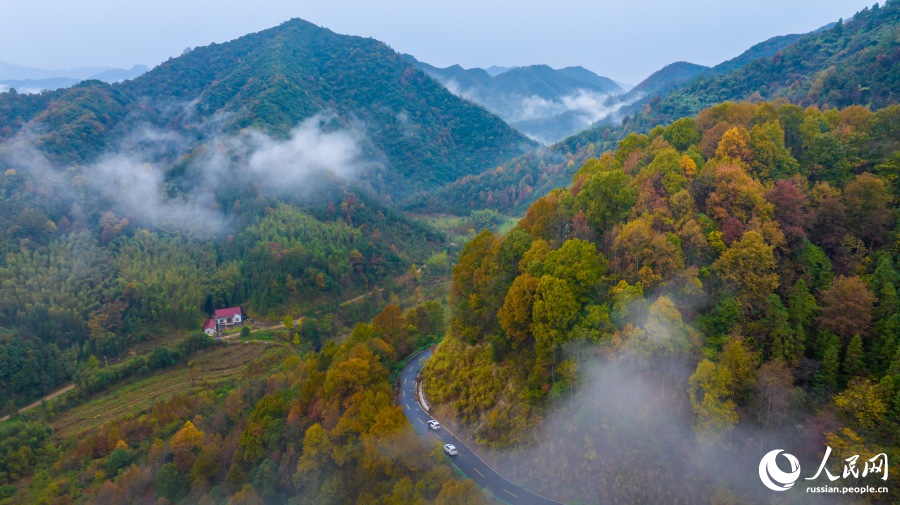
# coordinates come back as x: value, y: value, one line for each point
x: 186, y: 438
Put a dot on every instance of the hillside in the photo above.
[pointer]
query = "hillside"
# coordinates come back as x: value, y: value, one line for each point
x: 415, y: 133
x: 545, y: 103
x: 125, y: 220
x: 664, y: 80
x: 721, y: 285
x: 850, y: 63
x: 252, y: 423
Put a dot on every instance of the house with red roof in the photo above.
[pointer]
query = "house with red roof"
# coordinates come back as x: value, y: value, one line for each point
x: 210, y: 327
x: 231, y: 316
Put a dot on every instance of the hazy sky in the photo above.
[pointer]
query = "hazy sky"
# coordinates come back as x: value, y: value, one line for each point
x: 623, y: 39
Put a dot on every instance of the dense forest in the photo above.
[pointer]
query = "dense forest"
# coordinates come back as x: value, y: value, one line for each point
x: 320, y: 427
x: 854, y: 62
x: 77, y: 284
x: 734, y: 274
x: 718, y: 279
x: 417, y: 133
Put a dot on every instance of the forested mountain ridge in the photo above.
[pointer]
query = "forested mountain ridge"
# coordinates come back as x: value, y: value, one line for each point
x: 722, y: 286
x: 853, y: 62
x: 668, y: 78
x: 272, y: 81
x: 545, y: 103
x: 664, y: 79
x: 258, y: 172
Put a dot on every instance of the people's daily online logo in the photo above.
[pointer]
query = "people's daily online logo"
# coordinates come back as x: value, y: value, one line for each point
x: 773, y: 477
x: 776, y: 479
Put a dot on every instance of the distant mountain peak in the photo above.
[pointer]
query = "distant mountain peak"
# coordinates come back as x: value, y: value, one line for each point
x: 545, y: 103
x: 414, y: 132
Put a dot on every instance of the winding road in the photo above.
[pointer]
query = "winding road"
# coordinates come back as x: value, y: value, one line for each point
x: 466, y: 461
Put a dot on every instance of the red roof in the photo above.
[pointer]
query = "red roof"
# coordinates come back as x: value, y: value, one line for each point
x: 211, y: 324
x: 229, y: 312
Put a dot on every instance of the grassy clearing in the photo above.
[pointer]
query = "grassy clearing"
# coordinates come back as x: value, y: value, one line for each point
x: 259, y: 335
x: 509, y: 224
x: 211, y: 368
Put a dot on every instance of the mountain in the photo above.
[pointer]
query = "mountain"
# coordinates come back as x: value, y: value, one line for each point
x: 633, y: 317
x: 854, y: 62
x: 765, y: 49
x: 19, y: 72
x: 120, y: 74
x: 415, y: 134
x: 257, y: 172
x: 663, y: 80
x: 32, y: 86
x: 846, y: 63
x: 34, y: 80
x: 496, y: 70
x: 545, y: 103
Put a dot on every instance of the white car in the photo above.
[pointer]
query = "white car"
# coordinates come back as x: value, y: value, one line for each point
x: 450, y: 449
x: 434, y: 425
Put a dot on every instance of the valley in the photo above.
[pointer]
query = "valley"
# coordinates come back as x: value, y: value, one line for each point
x: 637, y: 293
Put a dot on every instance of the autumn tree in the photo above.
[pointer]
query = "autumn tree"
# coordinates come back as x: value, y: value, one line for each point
x: 710, y: 398
x: 515, y: 315
x: 316, y: 462
x: 187, y: 438
x: 847, y: 308
x: 547, y: 219
x: 789, y: 204
x: 467, y: 295
x: 459, y: 492
x: 868, y: 208
x: 741, y: 362
x: 579, y: 264
x: 664, y: 330
x: 555, y: 308
x: 747, y: 268
x: 644, y: 254
x: 735, y: 145
x: 770, y: 158
x: 863, y: 402
x: 828, y: 221
x: 736, y: 199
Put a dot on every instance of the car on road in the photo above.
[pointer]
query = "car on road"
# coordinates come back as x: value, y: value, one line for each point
x: 450, y: 449
x: 434, y: 425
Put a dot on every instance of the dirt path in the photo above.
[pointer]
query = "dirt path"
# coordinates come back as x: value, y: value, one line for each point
x: 360, y: 297
x: 44, y: 399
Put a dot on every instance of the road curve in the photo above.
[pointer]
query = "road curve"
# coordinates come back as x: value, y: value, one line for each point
x: 467, y: 461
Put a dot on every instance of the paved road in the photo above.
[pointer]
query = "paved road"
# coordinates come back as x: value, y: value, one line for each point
x: 467, y: 461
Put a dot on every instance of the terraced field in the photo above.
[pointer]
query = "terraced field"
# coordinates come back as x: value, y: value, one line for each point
x: 211, y: 368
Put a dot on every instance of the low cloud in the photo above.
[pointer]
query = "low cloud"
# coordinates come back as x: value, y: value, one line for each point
x: 138, y: 189
x: 285, y: 167
x: 588, y: 105
x: 160, y: 178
